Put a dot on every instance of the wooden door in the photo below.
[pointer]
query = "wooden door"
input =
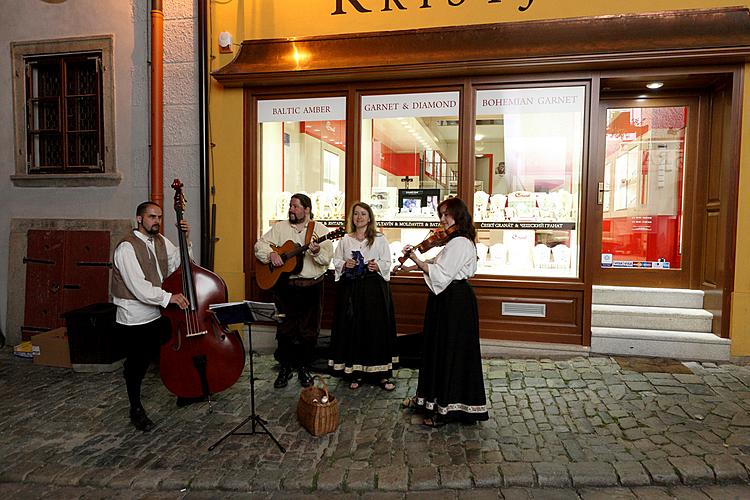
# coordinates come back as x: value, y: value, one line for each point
x: 44, y: 275
x: 86, y: 269
x: 65, y: 270
x: 646, y: 174
x: 719, y: 201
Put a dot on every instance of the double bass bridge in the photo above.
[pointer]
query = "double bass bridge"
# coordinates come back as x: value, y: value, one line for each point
x: 195, y: 334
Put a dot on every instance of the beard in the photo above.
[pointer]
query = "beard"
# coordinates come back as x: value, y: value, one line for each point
x: 293, y: 219
x: 153, y: 230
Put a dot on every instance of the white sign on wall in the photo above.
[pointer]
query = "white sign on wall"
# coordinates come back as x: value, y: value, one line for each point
x: 403, y: 105
x: 538, y: 100
x: 297, y: 110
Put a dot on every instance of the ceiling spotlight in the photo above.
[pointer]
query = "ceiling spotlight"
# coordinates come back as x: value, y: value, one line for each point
x: 655, y: 85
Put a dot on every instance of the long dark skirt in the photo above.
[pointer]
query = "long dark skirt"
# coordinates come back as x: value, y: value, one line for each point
x: 450, y: 377
x: 363, y: 335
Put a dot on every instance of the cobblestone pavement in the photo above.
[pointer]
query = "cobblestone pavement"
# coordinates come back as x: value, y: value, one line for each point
x: 563, y: 428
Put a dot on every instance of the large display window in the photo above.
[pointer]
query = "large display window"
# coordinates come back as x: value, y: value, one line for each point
x: 528, y: 148
x: 408, y: 161
x: 302, y: 149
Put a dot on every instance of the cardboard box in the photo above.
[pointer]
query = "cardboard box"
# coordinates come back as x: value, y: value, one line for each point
x: 51, y: 348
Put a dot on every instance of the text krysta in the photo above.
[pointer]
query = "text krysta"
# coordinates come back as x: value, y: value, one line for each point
x: 390, y: 5
x: 392, y: 106
x: 301, y: 110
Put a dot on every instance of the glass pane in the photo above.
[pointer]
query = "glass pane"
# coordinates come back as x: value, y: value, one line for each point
x: 643, y: 182
x: 83, y: 114
x: 83, y: 150
x: 45, y: 115
x: 82, y: 77
x: 46, y: 151
x: 528, y: 149
x: 45, y: 79
x: 302, y: 150
x: 409, y: 161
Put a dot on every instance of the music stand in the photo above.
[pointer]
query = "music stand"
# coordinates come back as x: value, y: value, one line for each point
x: 246, y: 312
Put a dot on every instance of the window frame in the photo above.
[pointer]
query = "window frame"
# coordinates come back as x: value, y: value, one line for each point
x: 24, y: 52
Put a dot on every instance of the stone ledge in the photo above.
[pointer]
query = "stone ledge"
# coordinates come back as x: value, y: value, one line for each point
x: 66, y: 180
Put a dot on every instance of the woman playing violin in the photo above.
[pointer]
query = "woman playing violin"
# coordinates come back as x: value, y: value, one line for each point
x: 451, y: 385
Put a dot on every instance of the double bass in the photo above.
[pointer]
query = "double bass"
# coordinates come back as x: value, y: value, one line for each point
x: 201, y: 357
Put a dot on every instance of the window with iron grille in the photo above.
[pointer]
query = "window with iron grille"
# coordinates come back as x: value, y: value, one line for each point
x: 63, y: 109
x: 63, y: 96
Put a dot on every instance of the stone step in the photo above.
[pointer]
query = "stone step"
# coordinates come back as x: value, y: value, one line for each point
x: 660, y: 343
x: 651, y: 318
x: 650, y: 297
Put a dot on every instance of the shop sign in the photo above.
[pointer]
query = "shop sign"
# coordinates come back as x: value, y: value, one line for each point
x: 363, y: 6
x: 539, y: 226
x: 403, y: 105
x: 538, y: 100
x: 297, y: 110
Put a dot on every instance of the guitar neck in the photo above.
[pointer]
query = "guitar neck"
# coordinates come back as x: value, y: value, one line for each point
x: 302, y: 249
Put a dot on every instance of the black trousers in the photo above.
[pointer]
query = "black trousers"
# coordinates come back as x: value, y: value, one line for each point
x: 141, y: 346
x: 297, y: 335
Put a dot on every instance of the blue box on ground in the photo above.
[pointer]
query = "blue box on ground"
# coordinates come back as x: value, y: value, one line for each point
x: 92, y: 337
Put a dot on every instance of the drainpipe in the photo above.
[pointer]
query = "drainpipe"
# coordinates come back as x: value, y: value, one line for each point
x: 207, y: 245
x: 157, y: 103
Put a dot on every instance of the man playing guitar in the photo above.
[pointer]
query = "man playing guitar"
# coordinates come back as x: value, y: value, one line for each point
x: 299, y: 298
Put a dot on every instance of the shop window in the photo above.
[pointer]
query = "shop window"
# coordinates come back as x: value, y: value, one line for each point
x: 64, y: 125
x: 302, y: 150
x: 409, y: 161
x: 528, y: 160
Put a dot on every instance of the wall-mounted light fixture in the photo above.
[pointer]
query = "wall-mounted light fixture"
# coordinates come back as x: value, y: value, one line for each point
x: 225, y: 42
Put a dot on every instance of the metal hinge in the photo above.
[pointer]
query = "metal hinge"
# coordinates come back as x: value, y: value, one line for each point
x: 27, y: 260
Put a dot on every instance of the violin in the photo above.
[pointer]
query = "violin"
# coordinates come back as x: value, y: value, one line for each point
x: 437, y: 238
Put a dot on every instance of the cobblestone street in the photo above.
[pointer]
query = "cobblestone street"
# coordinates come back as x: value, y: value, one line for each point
x: 566, y: 428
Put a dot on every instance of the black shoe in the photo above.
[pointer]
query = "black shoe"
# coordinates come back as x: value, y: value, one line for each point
x: 285, y: 373
x: 183, y: 402
x: 305, y: 379
x: 140, y: 420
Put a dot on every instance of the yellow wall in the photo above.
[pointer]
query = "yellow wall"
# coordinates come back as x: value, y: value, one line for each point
x: 261, y: 19
x: 740, y: 331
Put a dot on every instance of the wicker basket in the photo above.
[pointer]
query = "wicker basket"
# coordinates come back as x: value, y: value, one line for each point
x: 315, y: 415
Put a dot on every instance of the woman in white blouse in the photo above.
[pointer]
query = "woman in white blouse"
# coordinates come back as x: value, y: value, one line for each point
x: 363, y: 336
x: 451, y: 385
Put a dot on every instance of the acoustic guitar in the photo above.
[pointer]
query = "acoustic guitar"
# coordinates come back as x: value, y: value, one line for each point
x: 292, y: 254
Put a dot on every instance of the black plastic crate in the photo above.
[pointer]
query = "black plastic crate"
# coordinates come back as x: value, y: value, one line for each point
x: 92, y: 335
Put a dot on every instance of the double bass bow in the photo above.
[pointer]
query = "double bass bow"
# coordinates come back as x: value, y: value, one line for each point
x: 201, y: 357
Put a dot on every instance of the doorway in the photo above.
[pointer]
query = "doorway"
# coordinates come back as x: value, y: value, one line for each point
x: 646, y: 192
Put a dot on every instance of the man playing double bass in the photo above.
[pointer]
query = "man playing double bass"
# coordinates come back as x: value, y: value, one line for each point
x: 141, y: 262
x: 300, y: 297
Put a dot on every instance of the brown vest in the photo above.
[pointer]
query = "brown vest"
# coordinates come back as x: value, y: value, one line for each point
x: 145, y: 260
